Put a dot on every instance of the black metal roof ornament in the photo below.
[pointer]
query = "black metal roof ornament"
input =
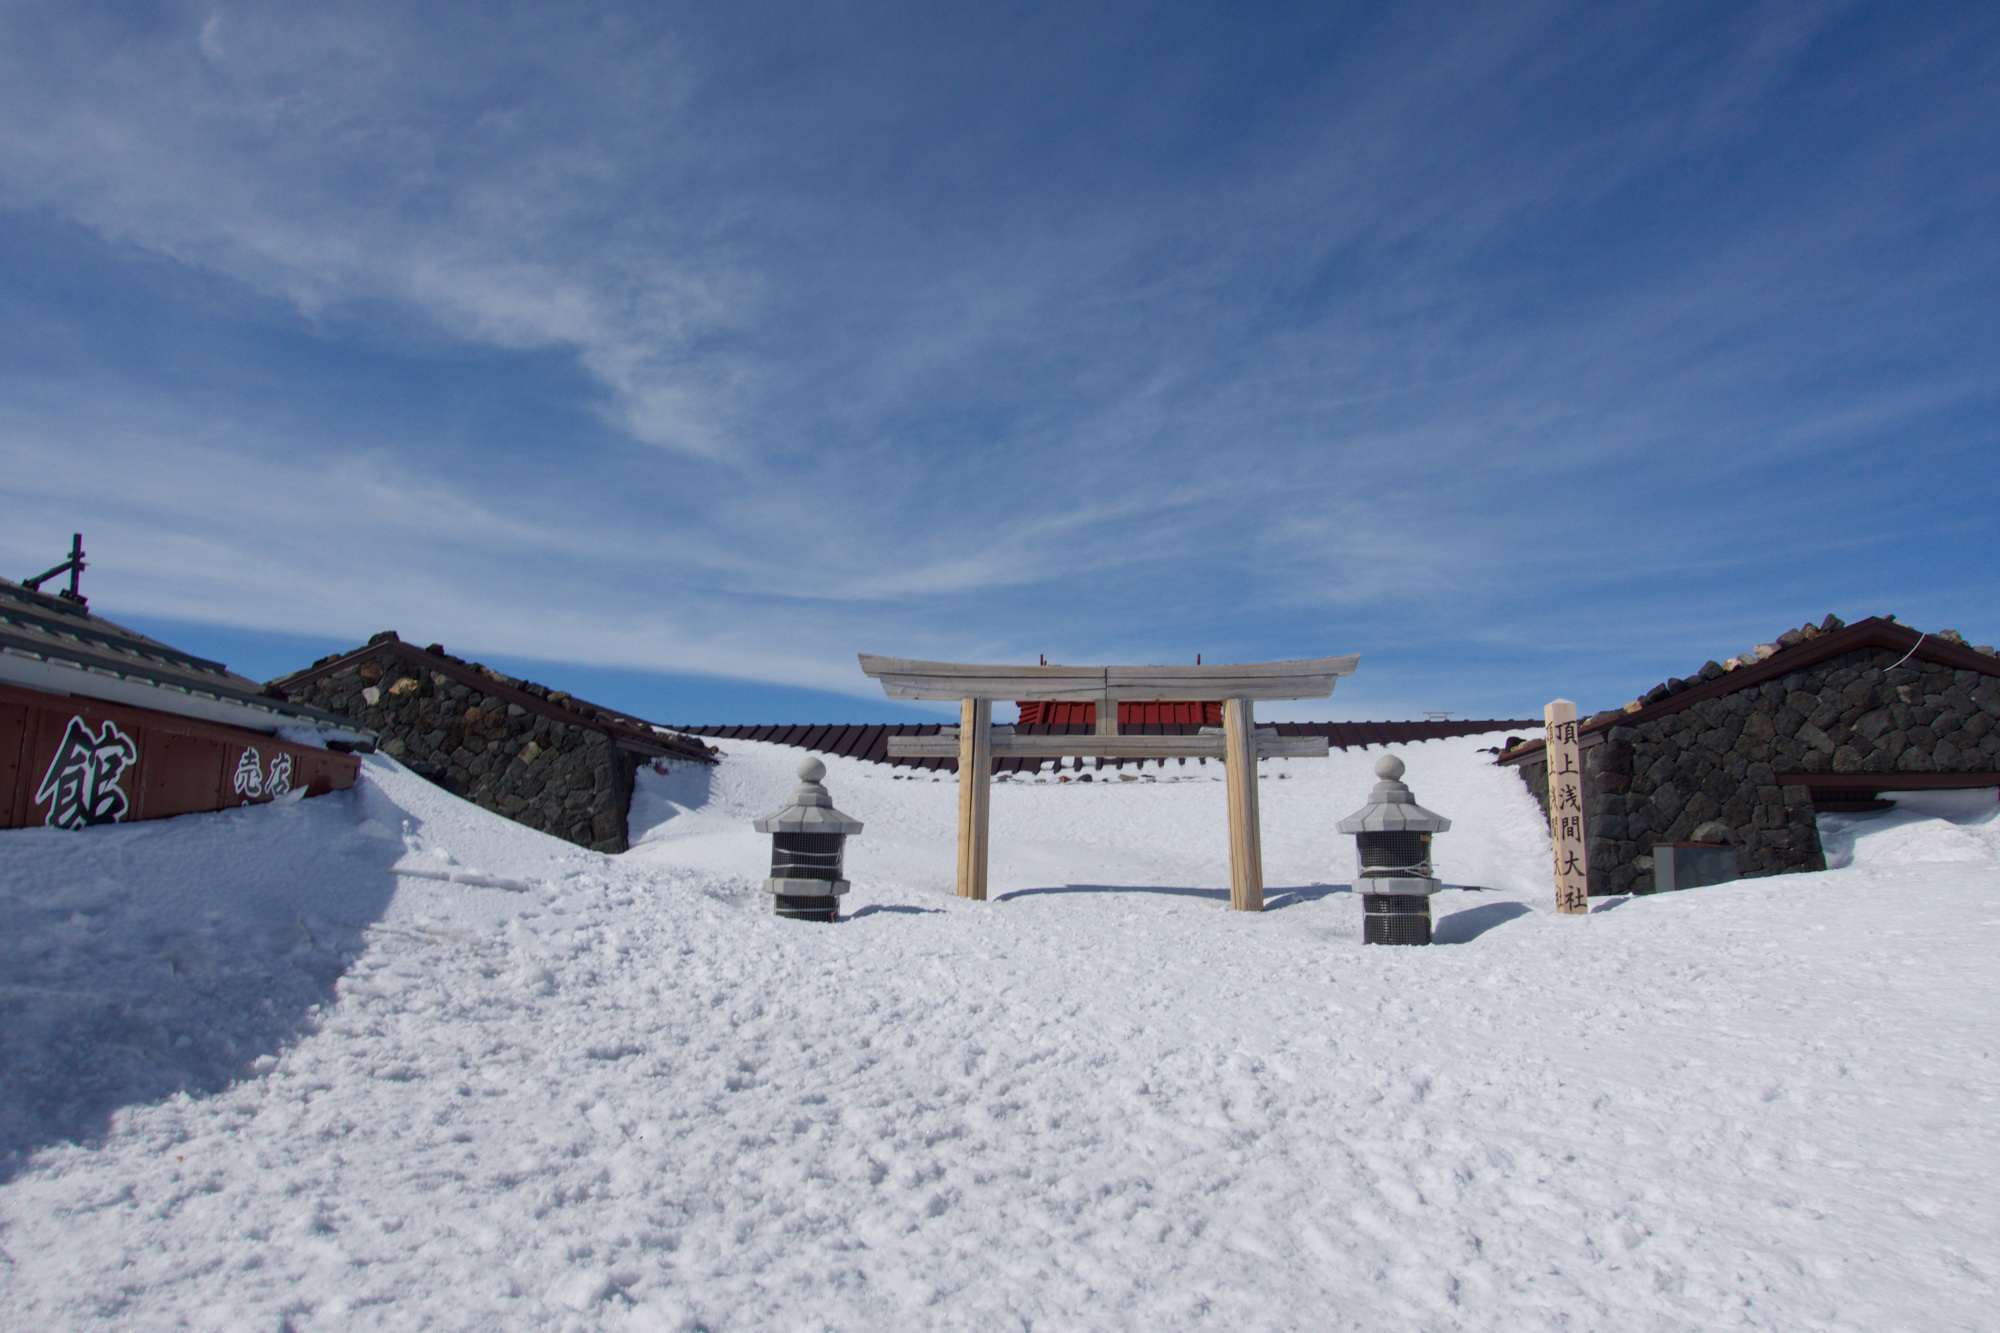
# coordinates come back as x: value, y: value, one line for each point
x: 74, y: 565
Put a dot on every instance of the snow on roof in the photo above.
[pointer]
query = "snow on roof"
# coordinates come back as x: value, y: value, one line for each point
x: 628, y: 732
x: 50, y: 643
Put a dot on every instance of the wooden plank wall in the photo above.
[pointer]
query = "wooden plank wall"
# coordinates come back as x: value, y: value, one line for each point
x: 181, y: 765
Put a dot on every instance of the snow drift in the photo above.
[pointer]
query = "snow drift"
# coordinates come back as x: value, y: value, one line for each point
x: 258, y: 1076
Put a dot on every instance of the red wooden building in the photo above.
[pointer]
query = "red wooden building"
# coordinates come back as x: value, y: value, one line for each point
x: 100, y: 725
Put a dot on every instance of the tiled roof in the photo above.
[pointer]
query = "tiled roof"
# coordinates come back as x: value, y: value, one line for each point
x: 50, y: 643
x: 627, y: 732
x: 870, y: 741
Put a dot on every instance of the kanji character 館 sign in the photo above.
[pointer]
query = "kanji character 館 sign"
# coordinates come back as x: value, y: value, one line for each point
x: 1572, y: 856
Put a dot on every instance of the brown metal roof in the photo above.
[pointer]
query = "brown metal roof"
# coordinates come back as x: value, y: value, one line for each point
x: 627, y: 732
x: 870, y: 741
x: 1874, y: 632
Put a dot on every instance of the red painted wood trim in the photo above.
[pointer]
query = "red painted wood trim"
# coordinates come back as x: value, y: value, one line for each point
x: 178, y: 765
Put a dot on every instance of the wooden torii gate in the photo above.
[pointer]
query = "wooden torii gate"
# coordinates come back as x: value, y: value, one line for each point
x: 1239, y: 743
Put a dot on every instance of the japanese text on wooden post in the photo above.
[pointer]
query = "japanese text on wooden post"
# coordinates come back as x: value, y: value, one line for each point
x: 1572, y: 853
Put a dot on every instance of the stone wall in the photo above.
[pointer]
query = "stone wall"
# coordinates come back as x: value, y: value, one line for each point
x: 1719, y: 759
x: 566, y: 779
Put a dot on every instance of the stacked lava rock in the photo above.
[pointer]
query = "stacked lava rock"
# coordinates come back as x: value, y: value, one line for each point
x: 1822, y: 717
x: 537, y: 756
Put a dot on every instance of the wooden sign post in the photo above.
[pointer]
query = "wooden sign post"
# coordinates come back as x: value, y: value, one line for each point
x: 1572, y: 853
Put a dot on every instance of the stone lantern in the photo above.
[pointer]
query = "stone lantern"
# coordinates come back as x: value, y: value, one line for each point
x: 1392, y: 834
x: 808, y: 839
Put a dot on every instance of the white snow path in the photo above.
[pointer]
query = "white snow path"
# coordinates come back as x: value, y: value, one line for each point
x: 632, y: 1098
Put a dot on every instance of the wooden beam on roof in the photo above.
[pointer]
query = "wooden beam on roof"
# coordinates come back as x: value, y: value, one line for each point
x: 1307, y: 678
x: 905, y: 679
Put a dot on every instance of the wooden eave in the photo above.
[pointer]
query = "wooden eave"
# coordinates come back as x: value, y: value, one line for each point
x: 628, y: 733
x: 1874, y: 632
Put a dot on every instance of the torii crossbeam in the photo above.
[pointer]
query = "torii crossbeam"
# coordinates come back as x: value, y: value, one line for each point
x: 1240, y: 745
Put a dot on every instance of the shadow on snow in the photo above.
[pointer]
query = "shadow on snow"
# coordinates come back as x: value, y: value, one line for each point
x: 1460, y: 927
x: 143, y: 960
x: 1468, y: 925
x: 1275, y: 899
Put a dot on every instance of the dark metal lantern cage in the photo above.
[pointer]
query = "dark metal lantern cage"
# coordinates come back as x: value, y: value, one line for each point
x: 808, y: 845
x: 807, y: 855
x: 1394, y: 853
x: 1392, y: 837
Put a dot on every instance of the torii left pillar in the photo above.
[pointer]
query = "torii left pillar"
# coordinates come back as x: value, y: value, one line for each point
x: 1246, y: 838
x: 975, y: 794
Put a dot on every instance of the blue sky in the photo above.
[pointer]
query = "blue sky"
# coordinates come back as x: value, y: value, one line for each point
x: 680, y: 353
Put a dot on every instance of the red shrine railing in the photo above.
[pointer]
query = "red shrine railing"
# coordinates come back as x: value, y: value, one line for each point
x: 1146, y: 713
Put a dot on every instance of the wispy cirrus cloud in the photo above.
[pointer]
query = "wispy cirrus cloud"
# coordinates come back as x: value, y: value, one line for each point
x: 1127, y: 330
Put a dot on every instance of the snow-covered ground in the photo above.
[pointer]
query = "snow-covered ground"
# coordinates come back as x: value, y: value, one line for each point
x: 253, y: 1078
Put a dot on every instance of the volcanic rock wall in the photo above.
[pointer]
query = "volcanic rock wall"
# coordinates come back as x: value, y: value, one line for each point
x: 1720, y: 759
x: 564, y: 778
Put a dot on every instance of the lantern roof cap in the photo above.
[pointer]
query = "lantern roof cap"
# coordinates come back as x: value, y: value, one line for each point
x: 1391, y: 808
x: 810, y: 809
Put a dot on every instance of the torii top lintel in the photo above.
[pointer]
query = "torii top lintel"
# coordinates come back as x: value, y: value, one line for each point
x: 1308, y: 678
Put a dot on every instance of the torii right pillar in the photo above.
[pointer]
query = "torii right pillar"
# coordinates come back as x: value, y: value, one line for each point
x: 1246, y: 841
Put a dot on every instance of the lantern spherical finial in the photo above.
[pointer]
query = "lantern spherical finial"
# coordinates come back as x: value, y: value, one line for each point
x: 811, y: 769
x: 1389, y: 768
